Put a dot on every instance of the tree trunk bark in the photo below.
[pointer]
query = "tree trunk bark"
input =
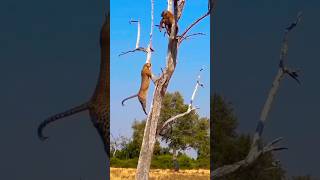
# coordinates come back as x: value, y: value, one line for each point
x: 149, y: 137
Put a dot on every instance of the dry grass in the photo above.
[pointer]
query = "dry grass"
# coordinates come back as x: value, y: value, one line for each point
x: 162, y: 174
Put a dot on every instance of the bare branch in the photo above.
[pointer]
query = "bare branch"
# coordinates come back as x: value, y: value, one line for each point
x: 294, y: 73
x: 276, y: 83
x: 173, y: 119
x: 190, y: 108
x: 138, y: 33
x: 256, y: 149
x: 188, y: 36
x: 137, y: 48
x: 196, y: 21
x: 251, y: 158
x: 149, y: 49
x: 196, y: 88
x: 131, y: 51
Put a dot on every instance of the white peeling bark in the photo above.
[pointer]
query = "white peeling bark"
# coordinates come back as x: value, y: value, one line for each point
x: 138, y: 35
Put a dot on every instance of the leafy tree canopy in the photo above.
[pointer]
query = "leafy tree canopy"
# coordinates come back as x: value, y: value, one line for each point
x: 229, y: 147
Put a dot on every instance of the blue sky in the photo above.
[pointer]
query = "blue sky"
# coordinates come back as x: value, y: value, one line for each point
x: 125, y: 70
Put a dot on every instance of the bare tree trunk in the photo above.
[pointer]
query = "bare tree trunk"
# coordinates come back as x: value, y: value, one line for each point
x: 150, y: 131
x: 149, y: 137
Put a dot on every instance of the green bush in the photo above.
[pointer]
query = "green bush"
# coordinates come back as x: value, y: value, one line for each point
x: 202, y: 163
x: 123, y: 163
x: 163, y: 162
x: 185, y: 162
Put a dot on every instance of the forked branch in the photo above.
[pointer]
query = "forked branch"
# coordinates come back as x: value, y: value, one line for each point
x: 184, y: 34
x: 173, y: 119
x: 137, y: 48
x: 147, y: 50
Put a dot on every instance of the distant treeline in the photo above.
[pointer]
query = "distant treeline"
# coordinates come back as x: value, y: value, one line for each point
x: 163, y: 162
x: 188, y: 132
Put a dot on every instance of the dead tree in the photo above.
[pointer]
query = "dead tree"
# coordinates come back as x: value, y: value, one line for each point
x: 161, y: 83
x: 257, y: 149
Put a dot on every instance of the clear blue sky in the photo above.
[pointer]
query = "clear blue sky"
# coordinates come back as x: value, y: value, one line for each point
x: 125, y: 70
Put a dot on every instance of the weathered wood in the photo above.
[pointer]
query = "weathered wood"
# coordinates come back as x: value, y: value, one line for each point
x: 149, y: 137
x: 150, y: 131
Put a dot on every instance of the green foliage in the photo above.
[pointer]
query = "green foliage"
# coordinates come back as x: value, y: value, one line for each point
x: 186, y: 162
x: 224, y: 135
x: 230, y: 147
x: 159, y: 162
x: 123, y: 163
x: 188, y: 131
x: 202, y: 163
x: 179, y: 134
x: 162, y: 162
x: 131, y: 149
x: 138, y: 128
x: 201, y: 139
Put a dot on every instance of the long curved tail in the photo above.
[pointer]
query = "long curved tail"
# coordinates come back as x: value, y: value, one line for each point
x: 122, y: 102
x: 53, y: 118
